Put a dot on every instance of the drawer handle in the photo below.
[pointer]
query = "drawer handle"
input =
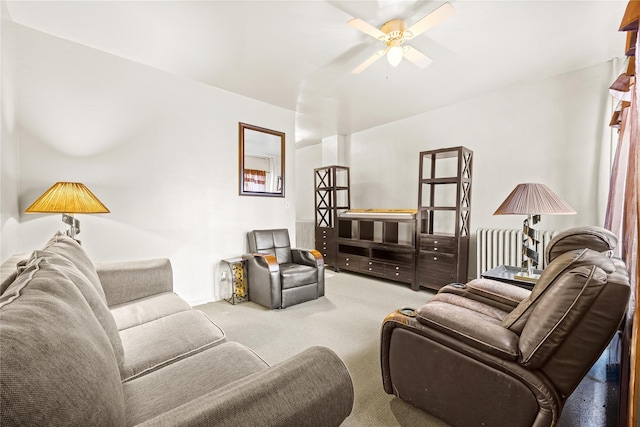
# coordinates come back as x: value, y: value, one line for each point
x: 370, y: 268
x: 435, y: 242
x: 435, y: 249
x: 324, y: 237
x: 370, y: 263
x: 347, y: 264
x: 397, y: 274
x: 397, y: 268
x: 347, y: 259
x: 435, y: 258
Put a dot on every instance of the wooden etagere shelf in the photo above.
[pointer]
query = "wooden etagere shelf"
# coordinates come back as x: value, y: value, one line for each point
x: 444, y: 212
x: 331, y: 198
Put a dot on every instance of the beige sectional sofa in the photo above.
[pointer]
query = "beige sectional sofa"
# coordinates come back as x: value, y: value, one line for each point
x: 111, y: 344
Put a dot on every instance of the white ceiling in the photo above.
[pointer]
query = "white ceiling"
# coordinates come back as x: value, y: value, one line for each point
x: 298, y: 54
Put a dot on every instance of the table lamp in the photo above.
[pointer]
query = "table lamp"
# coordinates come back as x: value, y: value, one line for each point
x: 532, y: 200
x: 68, y: 198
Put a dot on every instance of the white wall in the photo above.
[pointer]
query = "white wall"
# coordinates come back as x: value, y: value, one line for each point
x: 159, y: 150
x: 9, y: 164
x: 307, y: 159
x: 553, y: 132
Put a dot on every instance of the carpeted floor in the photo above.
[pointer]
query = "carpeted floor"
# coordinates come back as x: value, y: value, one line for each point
x: 348, y: 321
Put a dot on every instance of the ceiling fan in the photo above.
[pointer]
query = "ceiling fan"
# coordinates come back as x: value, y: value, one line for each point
x: 394, y: 33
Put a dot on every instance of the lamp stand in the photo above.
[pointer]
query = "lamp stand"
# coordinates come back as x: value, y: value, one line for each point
x: 529, y: 249
x: 74, y: 226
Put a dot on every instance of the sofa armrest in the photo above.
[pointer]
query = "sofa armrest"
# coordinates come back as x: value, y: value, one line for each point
x: 312, y: 388
x: 310, y: 257
x: 491, y: 292
x: 131, y: 280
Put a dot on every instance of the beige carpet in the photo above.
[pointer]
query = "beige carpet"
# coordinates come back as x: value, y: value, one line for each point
x: 348, y: 321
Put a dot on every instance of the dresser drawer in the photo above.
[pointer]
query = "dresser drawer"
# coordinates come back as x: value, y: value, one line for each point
x: 434, y: 280
x: 325, y: 233
x: 437, y: 259
x: 438, y: 244
x: 324, y: 244
x: 370, y: 266
x: 401, y: 273
x: 327, y: 252
x: 349, y: 262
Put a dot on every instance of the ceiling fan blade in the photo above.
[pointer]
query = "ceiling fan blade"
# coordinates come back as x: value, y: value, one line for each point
x: 366, y: 28
x: 360, y: 68
x: 417, y: 57
x: 431, y: 20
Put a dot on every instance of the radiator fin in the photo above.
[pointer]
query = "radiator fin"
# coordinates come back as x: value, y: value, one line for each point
x: 305, y: 234
x: 500, y: 246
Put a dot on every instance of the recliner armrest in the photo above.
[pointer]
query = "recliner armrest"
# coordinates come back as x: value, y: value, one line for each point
x: 470, y: 327
x: 310, y: 257
x: 264, y: 279
x: 268, y: 261
x: 491, y: 292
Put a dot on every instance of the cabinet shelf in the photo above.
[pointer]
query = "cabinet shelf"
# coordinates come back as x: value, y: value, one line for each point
x: 378, y: 243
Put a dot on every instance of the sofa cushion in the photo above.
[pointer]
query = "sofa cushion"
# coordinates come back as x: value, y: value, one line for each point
x: 597, y: 238
x: 57, y: 366
x: 294, y: 275
x: 147, y: 309
x: 68, y: 248
x: 188, y: 379
x: 91, y: 296
x: 10, y: 268
x: 155, y: 344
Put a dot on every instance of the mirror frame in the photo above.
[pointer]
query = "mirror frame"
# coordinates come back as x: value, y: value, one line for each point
x: 241, y: 129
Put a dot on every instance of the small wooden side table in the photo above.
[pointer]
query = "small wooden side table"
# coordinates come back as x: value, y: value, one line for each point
x: 234, y: 271
x: 507, y: 274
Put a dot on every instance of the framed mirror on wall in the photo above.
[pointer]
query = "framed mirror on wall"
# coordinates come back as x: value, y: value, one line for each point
x: 261, y: 161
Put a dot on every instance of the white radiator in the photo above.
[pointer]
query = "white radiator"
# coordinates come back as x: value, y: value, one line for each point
x: 305, y: 234
x: 499, y: 246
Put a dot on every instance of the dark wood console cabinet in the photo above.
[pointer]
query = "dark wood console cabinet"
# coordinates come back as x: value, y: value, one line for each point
x: 378, y: 243
x: 444, y: 211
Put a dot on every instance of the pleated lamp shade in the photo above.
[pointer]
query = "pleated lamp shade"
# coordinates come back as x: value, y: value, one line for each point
x: 534, y: 199
x: 69, y: 198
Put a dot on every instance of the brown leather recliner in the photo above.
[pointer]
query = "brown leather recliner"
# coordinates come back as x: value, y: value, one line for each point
x: 488, y: 353
x: 280, y: 276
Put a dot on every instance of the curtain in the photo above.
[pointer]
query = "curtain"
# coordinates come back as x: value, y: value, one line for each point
x: 622, y: 209
x: 255, y: 180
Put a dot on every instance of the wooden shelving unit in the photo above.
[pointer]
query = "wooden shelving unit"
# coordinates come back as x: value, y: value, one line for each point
x: 444, y: 212
x: 331, y: 198
x: 379, y: 244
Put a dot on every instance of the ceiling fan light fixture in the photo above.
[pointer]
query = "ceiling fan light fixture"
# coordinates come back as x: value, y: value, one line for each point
x: 394, y: 55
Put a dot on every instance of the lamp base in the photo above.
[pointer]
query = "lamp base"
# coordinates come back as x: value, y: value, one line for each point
x: 74, y: 226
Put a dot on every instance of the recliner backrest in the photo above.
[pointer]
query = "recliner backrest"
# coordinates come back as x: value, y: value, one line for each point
x: 275, y: 242
x: 568, y: 261
x: 589, y: 335
x: 588, y: 236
